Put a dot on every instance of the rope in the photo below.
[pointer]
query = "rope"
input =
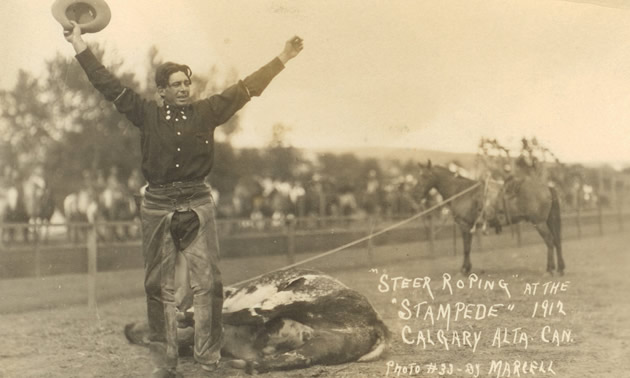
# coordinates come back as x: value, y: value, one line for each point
x: 365, y: 238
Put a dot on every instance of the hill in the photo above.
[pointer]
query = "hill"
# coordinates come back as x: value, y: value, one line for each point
x: 401, y: 154
x: 466, y: 160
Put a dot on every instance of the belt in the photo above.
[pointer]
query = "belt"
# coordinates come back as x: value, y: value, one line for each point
x: 177, y: 184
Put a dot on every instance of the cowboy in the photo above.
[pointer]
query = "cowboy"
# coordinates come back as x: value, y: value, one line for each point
x: 178, y: 211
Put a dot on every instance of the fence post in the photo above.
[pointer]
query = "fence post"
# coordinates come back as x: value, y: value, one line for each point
x: 291, y: 240
x: 620, y: 194
x: 600, y: 219
x: 479, y: 237
x: 431, y: 234
x: 370, y: 243
x: 519, y: 236
x: 91, y: 266
x: 578, y: 221
x: 454, y: 239
x: 38, y: 252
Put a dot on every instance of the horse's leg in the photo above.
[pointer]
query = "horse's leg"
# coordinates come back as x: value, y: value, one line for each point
x: 558, y: 245
x: 547, y: 236
x: 467, y: 237
x: 554, y: 221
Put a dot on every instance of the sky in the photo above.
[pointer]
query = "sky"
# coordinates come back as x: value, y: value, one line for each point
x: 426, y: 74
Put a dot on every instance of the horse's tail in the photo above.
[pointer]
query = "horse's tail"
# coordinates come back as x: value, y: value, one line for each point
x: 554, y: 221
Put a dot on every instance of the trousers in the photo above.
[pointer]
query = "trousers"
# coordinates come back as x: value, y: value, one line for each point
x: 181, y: 219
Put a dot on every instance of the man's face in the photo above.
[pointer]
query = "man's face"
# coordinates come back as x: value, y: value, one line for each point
x: 177, y: 92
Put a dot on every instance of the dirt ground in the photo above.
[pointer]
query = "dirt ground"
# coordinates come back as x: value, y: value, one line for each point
x: 587, y: 333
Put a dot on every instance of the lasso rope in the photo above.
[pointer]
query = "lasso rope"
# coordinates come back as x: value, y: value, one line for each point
x: 355, y: 242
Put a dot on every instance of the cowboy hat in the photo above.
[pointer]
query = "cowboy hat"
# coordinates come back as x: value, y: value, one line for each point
x: 91, y: 15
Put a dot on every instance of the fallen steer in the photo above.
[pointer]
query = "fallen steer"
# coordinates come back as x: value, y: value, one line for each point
x: 289, y: 320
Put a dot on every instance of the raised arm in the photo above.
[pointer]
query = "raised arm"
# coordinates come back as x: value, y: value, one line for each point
x: 74, y: 37
x: 259, y: 80
x: 225, y: 105
x: 291, y: 49
x: 126, y: 100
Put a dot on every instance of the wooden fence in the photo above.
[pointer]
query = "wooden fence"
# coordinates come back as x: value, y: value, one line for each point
x: 289, y: 237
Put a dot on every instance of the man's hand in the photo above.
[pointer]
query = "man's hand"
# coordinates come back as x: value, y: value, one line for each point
x: 74, y: 36
x: 291, y: 49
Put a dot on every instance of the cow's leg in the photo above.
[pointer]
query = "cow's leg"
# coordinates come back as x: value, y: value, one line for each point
x: 138, y: 333
x: 281, y: 335
x: 324, y: 347
x: 547, y: 236
x: 240, y: 342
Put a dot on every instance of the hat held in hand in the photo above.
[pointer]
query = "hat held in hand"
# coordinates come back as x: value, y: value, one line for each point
x: 91, y: 15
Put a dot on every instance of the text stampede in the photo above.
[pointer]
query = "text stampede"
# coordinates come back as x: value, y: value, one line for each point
x: 447, y: 312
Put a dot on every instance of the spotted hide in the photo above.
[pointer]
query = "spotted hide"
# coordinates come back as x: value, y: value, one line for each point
x: 291, y: 319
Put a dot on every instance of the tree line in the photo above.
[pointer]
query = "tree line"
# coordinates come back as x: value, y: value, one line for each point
x: 58, y: 121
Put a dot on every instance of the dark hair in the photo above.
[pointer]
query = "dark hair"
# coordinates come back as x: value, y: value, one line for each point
x: 165, y: 70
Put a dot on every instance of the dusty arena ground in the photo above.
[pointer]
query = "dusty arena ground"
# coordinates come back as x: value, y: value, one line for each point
x: 587, y: 333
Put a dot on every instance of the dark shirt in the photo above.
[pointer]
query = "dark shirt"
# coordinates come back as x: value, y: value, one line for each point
x: 177, y: 142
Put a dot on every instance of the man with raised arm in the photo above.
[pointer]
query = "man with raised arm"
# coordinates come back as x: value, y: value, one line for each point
x: 178, y: 212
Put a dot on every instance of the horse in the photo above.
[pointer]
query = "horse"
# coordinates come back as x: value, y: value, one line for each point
x: 524, y: 199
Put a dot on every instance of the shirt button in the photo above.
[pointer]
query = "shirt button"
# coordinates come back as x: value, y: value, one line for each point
x: 176, y: 165
x: 179, y: 133
x: 206, y: 142
x: 178, y: 149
